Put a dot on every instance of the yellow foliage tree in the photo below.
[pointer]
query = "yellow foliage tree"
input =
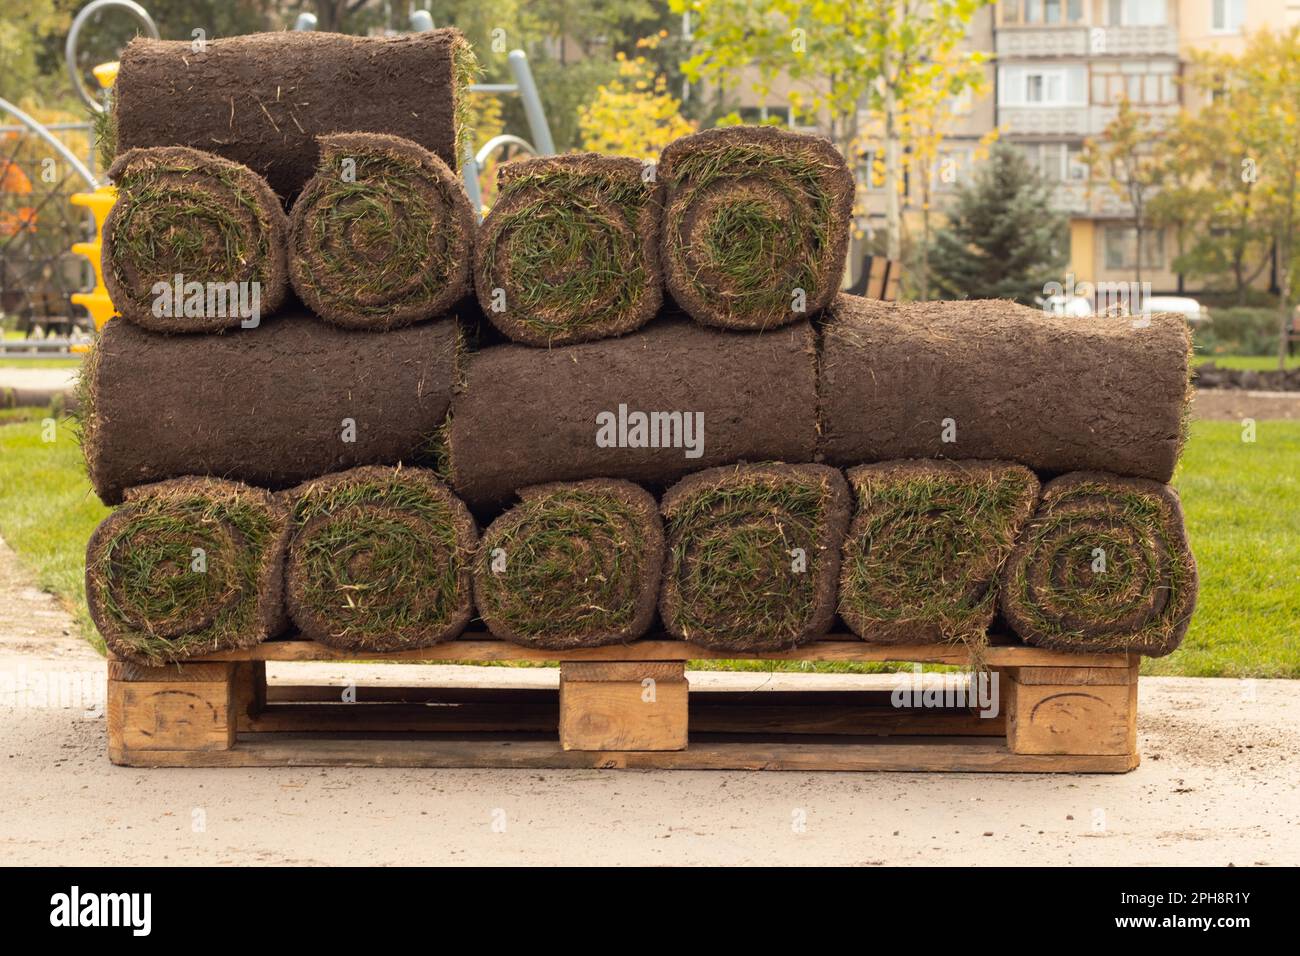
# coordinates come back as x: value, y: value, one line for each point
x: 634, y: 115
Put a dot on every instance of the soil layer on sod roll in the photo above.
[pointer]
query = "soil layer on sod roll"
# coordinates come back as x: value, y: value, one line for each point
x: 183, y: 212
x: 753, y: 555
x: 928, y: 538
x: 996, y: 380
x: 263, y: 99
x: 383, y: 234
x: 756, y: 225
x: 188, y: 567
x: 380, y: 560
x: 273, y: 406
x: 570, y: 250
x: 527, y: 416
x: 1104, y: 565
x: 574, y: 564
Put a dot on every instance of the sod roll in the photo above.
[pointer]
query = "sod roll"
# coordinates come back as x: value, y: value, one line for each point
x: 263, y: 99
x: 379, y: 560
x: 753, y: 555
x: 996, y: 380
x: 570, y: 250
x: 649, y: 407
x: 928, y: 538
x: 188, y: 567
x: 273, y: 406
x: 383, y: 234
x: 572, y: 565
x: 1104, y: 565
x: 194, y: 242
x: 756, y: 225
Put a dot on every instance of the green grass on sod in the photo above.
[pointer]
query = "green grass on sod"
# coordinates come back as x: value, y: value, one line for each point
x: 1242, y: 503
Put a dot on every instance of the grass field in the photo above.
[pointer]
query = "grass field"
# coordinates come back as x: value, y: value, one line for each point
x: 1254, y: 363
x: 1242, y: 502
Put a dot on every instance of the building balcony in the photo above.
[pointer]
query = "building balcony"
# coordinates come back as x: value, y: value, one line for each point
x: 1015, y: 43
x: 1070, y: 122
x: 1049, y: 42
x: 1059, y: 122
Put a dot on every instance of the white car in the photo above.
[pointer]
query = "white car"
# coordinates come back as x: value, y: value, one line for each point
x: 1189, y: 309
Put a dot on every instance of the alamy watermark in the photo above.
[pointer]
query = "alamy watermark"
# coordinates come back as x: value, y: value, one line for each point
x: 979, y: 691
x: 1102, y: 298
x: 635, y: 429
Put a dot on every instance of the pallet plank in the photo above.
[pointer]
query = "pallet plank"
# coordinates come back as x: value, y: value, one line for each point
x: 962, y: 757
x: 833, y: 649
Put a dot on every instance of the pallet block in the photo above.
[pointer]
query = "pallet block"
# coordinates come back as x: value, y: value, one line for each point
x: 626, y: 706
x: 623, y: 706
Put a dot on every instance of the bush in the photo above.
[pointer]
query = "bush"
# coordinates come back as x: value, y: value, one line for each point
x: 1239, y: 331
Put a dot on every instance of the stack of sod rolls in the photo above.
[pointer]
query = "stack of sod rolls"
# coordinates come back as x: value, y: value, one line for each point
x: 630, y: 402
x: 287, y: 254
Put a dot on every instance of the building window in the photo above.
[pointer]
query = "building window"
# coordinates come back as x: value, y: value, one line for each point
x: 1042, y: 86
x: 1041, y: 12
x: 1228, y: 16
x: 1153, y: 83
x: 1056, y: 162
x: 1121, y: 248
x: 1135, y: 13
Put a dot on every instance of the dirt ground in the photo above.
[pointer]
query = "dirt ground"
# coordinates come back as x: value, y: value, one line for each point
x: 1218, y: 785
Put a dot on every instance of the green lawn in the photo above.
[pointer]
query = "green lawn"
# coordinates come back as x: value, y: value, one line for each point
x: 39, y: 362
x: 1242, y: 502
x: 47, y: 509
x: 1254, y: 363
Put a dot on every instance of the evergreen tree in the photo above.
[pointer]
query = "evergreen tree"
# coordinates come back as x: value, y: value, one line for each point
x: 1002, y: 239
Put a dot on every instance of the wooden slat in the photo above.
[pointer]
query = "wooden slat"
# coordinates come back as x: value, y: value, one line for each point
x: 958, y: 756
x: 839, y: 649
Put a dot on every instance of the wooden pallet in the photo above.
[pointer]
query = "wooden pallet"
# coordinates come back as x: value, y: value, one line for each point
x: 627, y: 706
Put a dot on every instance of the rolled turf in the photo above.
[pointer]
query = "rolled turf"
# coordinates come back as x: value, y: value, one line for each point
x: 1104, y: 565
x: 753, y: 555
x: 756, y: 224
x: 527, y: 416
x: 572, y: 565
x: 996, y: 380
x: 379, y: 560
x: 382, y: 235
x: 188, y: 567
x: 263, y: 99
x: 183, y: 212
x: 273, y: 406
x: 928, y: 538
x: 570, y: 250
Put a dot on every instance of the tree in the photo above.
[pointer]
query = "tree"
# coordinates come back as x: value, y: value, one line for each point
x: 839, y: 55
x: 1002, y: 239
x: 924, y: 127
x: 634, y: 115
x: 1123, y: 158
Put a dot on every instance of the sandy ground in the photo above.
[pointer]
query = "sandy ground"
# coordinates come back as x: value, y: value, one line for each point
x: 1218, y: 785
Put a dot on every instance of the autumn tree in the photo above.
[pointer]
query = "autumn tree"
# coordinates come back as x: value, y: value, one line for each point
x: 839, y: 55
x: 1123, y: 159
x: 634, y: 114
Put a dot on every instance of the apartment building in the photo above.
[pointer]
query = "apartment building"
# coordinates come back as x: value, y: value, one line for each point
x: 1062, y: 68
